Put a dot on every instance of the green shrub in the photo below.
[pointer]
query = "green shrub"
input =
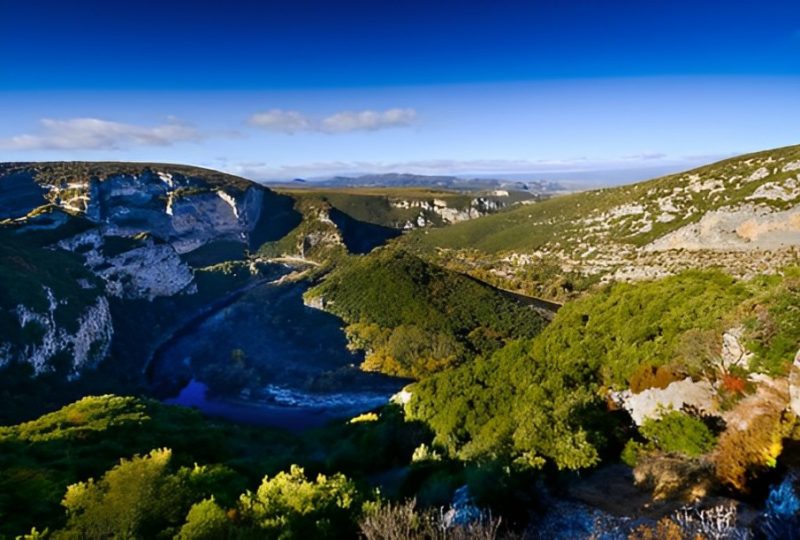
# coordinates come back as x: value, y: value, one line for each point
x: 206, y: 521
x: 139, y: 498
x: 680, y: 433
x: 290, y: 505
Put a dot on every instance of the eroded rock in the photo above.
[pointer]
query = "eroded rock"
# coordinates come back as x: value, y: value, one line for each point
x: 86, y: 346
x: 653, y: 403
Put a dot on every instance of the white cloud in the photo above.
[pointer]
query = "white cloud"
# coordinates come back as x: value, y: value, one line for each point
x: 348, y: 121
x: 284, y: 121
x: 98, y: 134
x: 281, y: 121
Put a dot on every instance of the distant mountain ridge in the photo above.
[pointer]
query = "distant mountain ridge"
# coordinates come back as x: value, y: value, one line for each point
x: 431, y: 181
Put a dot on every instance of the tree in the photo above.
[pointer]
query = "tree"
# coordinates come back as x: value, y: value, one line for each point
x: 206, y: 521
x: 139, y: 498
x: 292, y: 506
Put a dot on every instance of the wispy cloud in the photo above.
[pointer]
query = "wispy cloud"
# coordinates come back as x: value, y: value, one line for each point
x: 347, y: 121
x: 287, y: 121
x: 99, y: 134
x: 281, y: 121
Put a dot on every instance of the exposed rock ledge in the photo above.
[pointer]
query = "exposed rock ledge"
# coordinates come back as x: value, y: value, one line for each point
x: 655, y: 402
x: 148, y: 271
x: 87, y: 345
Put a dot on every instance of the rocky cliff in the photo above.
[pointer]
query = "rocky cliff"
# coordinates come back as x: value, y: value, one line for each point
x: 438, y: 211
x: 118, y: 231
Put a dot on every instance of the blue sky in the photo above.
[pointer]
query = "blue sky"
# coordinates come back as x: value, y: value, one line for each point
x: 285, y: 89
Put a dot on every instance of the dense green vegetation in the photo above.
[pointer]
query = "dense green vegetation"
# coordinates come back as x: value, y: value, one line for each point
x: 678, y: 432
x: 622, y: 329
x: 542, y: 400
x: 513, y: 408
x: 414, y: 318
x: 41, y: 458
x: 775, y: 325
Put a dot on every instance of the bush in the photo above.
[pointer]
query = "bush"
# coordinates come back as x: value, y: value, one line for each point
x: 139, y: 498
x: 512, y: 406
x: 404, y: 521
x: 292, y: 506
x: 679, y: 433
x: 742, y: 453
x: 206, y: 521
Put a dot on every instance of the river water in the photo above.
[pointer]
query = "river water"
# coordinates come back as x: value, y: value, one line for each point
x: 267, y: 359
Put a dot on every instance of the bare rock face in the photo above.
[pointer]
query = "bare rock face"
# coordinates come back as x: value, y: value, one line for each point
x: 86, y: 345
x: 177, y: 214
x: 744, y: 228
x: 734, y: 353
x: 147, y: 271
x: 182, y: 211
x: 439, y: 208
x: 200, y: 218
x: 655, y: 402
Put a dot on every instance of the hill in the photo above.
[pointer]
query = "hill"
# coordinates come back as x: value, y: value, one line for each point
x: 411, y: 208
x: 414, y: 318
x: 740, y: 213
x: 690, y: 365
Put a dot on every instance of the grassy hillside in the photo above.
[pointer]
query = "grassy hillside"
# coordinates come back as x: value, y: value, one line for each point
x: 414, y: 318
x: 624, y: 215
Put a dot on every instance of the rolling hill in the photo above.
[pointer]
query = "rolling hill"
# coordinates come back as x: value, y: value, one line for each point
x: 741, y: 214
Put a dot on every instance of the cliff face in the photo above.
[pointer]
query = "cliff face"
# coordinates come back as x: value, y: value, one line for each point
x: 184, y: 211
x: 438, y: 211
x: 85, y: 346
x: 125, y: 228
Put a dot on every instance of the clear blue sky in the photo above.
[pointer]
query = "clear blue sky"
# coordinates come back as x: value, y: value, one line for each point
x: 296, y: 88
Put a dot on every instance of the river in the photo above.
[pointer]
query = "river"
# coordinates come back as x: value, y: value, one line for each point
x: 267, y: 359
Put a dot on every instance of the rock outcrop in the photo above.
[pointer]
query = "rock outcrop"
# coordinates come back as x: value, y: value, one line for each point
x: 87, y: 345
x: 794, y: 385
x: 182, y: 211
x: 654, y: 402
x: 431, y: 211
x: 147, y: 270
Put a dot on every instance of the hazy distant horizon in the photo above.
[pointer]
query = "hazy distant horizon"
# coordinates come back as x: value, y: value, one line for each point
x: 593, y: 178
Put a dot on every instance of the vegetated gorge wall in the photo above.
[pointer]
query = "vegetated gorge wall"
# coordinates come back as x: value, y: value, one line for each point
x: 140, y: 225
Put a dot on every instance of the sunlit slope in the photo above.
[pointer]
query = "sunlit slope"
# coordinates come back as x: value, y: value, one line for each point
x: 628, y: 217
